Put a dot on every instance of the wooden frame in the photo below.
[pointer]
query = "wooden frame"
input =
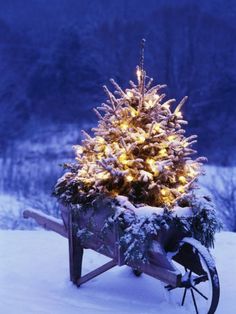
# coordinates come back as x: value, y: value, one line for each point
x: 160, y: 267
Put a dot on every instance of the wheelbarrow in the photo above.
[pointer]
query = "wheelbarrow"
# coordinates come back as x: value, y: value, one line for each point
x: 184, y: 265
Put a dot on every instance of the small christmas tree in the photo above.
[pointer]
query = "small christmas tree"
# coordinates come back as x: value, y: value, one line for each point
x: 139, y: 149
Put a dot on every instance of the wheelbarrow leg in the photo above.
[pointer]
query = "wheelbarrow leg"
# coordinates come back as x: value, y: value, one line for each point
x: 75, y: 252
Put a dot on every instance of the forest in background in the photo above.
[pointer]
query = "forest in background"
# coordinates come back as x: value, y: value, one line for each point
x: 55, y: 57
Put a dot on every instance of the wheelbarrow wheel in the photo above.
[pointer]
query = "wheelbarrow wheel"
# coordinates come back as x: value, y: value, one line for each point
x: 199, y: 288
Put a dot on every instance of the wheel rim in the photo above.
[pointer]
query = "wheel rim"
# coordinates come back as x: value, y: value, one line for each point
x: 198, y: 292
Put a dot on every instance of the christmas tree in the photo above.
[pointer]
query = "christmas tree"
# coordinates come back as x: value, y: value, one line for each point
x: 139, y: 149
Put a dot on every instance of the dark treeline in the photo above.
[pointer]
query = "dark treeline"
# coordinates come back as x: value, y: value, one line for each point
x: 56, y: 55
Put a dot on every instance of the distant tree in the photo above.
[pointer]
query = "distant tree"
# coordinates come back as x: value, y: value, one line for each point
x: 222, y: 186
x: 60, y: 85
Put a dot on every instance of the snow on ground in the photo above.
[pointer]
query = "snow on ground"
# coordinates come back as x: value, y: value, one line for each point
x: 34, y: 280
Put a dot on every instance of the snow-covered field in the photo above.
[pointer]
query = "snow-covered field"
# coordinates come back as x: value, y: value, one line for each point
x: 34, y: 280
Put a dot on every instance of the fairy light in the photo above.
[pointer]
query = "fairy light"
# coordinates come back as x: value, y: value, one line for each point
x: 162, y: 152
x: 180, y: 189
x: 182, y: 179
x: 157, y: 127
x: 107, y: 150
x: 78, y: 149
x: 150, y: 161
x: 103, y: 175
x: 141, y: 139
x: 116, y: 146
x: 149, y: 104
x: 100, y: 140
x: 129, y: 178
x: 129, y: 94
x: 124, y: 126
x: 191, y: 172
x: 138, y: 73
x: 123, y: 159
x: 178, y: 114
x: 99, y: 156
x: 171, y: 138
x: 164, y: 192
x: 133, y: 112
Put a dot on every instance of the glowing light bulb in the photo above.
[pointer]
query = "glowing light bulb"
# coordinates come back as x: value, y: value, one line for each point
x: 116, y: 146
x: 124, y: 126
x: 138, y: 73
x: 129, y: 178
x: 100, y: 140
x: 107, y: 150
x: 150, y: 161
x: 141, y: 139
x: 129, y: 94
x: 133, y: 112
x: 179, y: 114
x: 182, y: 179
x: 149, y: 104
x: 157, y: 127
x: 192, y: 172
x: 171, y: 138
x: 162, y: 152
x: 78, y: 149
x: 163, y: 192
x: 123, y: 159
x: 181, y: 189
x: 103, y: 175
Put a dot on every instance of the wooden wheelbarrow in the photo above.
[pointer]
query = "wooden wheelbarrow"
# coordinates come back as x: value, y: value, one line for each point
x: 181, y: 262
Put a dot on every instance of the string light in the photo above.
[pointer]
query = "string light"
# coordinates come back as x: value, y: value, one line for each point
x: 182, y: 179
x: 103, y: 175
x: 129, y: 94
x: 141, y: 139
x: 162, y: 152
x: 171, y: 138
x: 138, y: 73
x: 123, y: 159
x: 157, y: 127
x: 124, y: 126
x: 181, y: 189
x: 107, y: 150
x: 100, y: 140
x: 178, y: 114
x: 133, y: 112
x: 129, y: 178
x: 78, y: 149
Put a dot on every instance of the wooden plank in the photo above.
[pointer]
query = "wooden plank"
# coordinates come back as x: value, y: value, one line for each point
x: 75, y: 251
x: 170, y: 277
x: 98, y: 271
x: 46, y: 221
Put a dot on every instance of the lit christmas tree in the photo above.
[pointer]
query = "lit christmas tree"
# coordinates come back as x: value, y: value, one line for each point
x: 139, y: 149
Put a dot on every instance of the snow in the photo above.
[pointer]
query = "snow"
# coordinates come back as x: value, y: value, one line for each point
x: 146, y: 211
x: 34, y: 279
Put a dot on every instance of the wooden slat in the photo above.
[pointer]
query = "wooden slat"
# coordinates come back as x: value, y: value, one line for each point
x: 96, y: 272
x: 75, y: 251
x: 46, y: 221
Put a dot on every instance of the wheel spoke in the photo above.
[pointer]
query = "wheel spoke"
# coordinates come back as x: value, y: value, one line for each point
x: 200, y: 293
x: 189, y: 275
x: 194, y: 301
x: 200, y: 279
x: 184, y: 295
